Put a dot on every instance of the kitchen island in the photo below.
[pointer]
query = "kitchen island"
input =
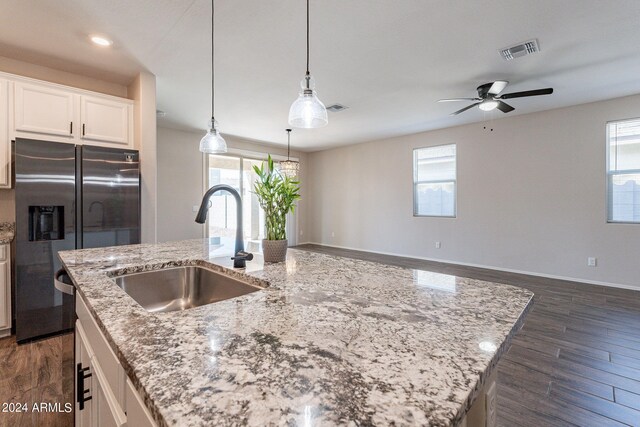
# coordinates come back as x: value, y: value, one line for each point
x: 327, y: 341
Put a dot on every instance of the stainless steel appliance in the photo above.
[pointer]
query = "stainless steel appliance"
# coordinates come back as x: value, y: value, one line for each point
x: 67, y: 197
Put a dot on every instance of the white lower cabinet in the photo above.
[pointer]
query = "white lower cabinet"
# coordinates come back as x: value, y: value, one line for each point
x: 105, y: 410
x: 5, y: 290
x: 84, y: 379
x: 5, y: 141
x: 137, y: 413
x: 104, y: 396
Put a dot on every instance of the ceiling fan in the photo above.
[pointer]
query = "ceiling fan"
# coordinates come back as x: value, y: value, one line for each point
x: 489, y: 97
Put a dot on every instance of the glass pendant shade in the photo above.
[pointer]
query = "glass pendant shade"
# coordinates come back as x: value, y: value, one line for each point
x: 213, y: 142
x: 289, y: 168
x: 307, y: 111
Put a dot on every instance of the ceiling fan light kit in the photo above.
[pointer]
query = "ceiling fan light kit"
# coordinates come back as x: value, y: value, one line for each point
x: 307, y: 111
x: 488, y: 105
x: 213, y: 142
x: 490, y: 97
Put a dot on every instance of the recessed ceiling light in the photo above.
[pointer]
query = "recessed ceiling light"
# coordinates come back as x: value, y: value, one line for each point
x: 101, y: 41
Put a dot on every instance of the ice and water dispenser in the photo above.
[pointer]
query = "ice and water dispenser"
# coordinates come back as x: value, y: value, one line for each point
x: 46, y: 223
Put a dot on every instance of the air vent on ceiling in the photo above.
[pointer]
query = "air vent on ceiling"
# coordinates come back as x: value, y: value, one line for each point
x: 335, y: 108
x: 519, y: 50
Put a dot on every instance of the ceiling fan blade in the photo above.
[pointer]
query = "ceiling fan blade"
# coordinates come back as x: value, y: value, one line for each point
x: 536, y: 92
x: 458, y: 99
x: 455, y: 113
x: 504, y: 107
x: 497, y: 87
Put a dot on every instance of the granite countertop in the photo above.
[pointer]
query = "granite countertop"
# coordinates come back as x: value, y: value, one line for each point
x: 7, y: 232
x: 329, y: 341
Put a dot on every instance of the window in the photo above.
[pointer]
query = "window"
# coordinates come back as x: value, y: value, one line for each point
x: 434, y: 181
x: 623, y: 171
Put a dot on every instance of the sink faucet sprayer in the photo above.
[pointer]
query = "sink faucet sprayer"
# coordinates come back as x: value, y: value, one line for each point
x: 240, y: 258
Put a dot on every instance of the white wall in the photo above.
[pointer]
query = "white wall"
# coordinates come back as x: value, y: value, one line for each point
x: 531, y: 196
x: 181, y: 186
x: 27, y: 69
x: 143, y: 91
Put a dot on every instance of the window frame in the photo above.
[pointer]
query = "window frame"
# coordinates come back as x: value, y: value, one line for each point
x: 441, y: 181
x: 609, y: 174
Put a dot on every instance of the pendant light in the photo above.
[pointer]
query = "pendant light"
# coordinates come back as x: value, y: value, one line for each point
x: 212, y: 142
x: 307, y: 111
x: 289, y: 168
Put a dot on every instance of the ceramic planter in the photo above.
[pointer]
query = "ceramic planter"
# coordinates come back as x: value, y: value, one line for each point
x: 274, y: 250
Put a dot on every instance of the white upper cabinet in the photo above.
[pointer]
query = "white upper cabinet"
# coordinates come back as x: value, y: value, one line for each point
x: 106, y: 120
x: 43, y: 110
x: 52, y: 112
x: 5, y: 142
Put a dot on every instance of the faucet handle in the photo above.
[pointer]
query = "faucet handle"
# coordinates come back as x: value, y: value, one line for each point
x: 243, y: 256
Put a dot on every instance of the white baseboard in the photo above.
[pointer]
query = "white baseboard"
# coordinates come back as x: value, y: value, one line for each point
x: 488, y: 267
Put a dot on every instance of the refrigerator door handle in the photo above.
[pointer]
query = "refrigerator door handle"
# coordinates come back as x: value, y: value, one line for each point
x: 60, y: 285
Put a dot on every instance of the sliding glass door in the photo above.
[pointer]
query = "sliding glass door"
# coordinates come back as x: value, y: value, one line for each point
x: 236, y: 171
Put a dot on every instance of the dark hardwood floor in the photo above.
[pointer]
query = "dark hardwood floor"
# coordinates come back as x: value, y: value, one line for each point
x: 35, y: 373
x: 575, y: 362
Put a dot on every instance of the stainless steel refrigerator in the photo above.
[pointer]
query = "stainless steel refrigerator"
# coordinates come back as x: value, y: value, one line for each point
x: 67, y: 197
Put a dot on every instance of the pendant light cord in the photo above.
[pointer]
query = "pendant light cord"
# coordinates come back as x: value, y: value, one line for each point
x: 307, y: 37
x: 288, y: 142
x: 212, y: 67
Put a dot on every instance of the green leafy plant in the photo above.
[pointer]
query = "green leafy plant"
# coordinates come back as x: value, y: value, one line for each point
x: 277, y: 195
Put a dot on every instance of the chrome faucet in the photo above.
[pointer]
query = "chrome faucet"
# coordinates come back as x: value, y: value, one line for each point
x: 240, y: 258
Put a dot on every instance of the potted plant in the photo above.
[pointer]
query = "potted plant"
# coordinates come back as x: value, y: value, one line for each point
x: 277, y: 195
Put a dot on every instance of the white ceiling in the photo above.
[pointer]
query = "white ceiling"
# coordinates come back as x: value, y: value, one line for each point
x: 389, y: 61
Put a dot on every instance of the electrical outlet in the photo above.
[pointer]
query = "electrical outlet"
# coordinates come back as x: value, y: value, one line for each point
x: 195, y: 208
x: 333, y: 234
x: 438, y: 245
x: 592, y: 262
x: 302, y: 232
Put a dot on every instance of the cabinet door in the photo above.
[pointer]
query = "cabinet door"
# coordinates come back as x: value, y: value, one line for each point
x: 83, y: 360
x: 105, y: 120
x: 104, y: 407
x: 5, y: 142
x: 43, y: 110
x: 5, y: 301
x: 137, y: 413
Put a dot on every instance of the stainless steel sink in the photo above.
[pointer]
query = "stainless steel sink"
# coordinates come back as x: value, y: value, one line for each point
x: 181, y: 288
